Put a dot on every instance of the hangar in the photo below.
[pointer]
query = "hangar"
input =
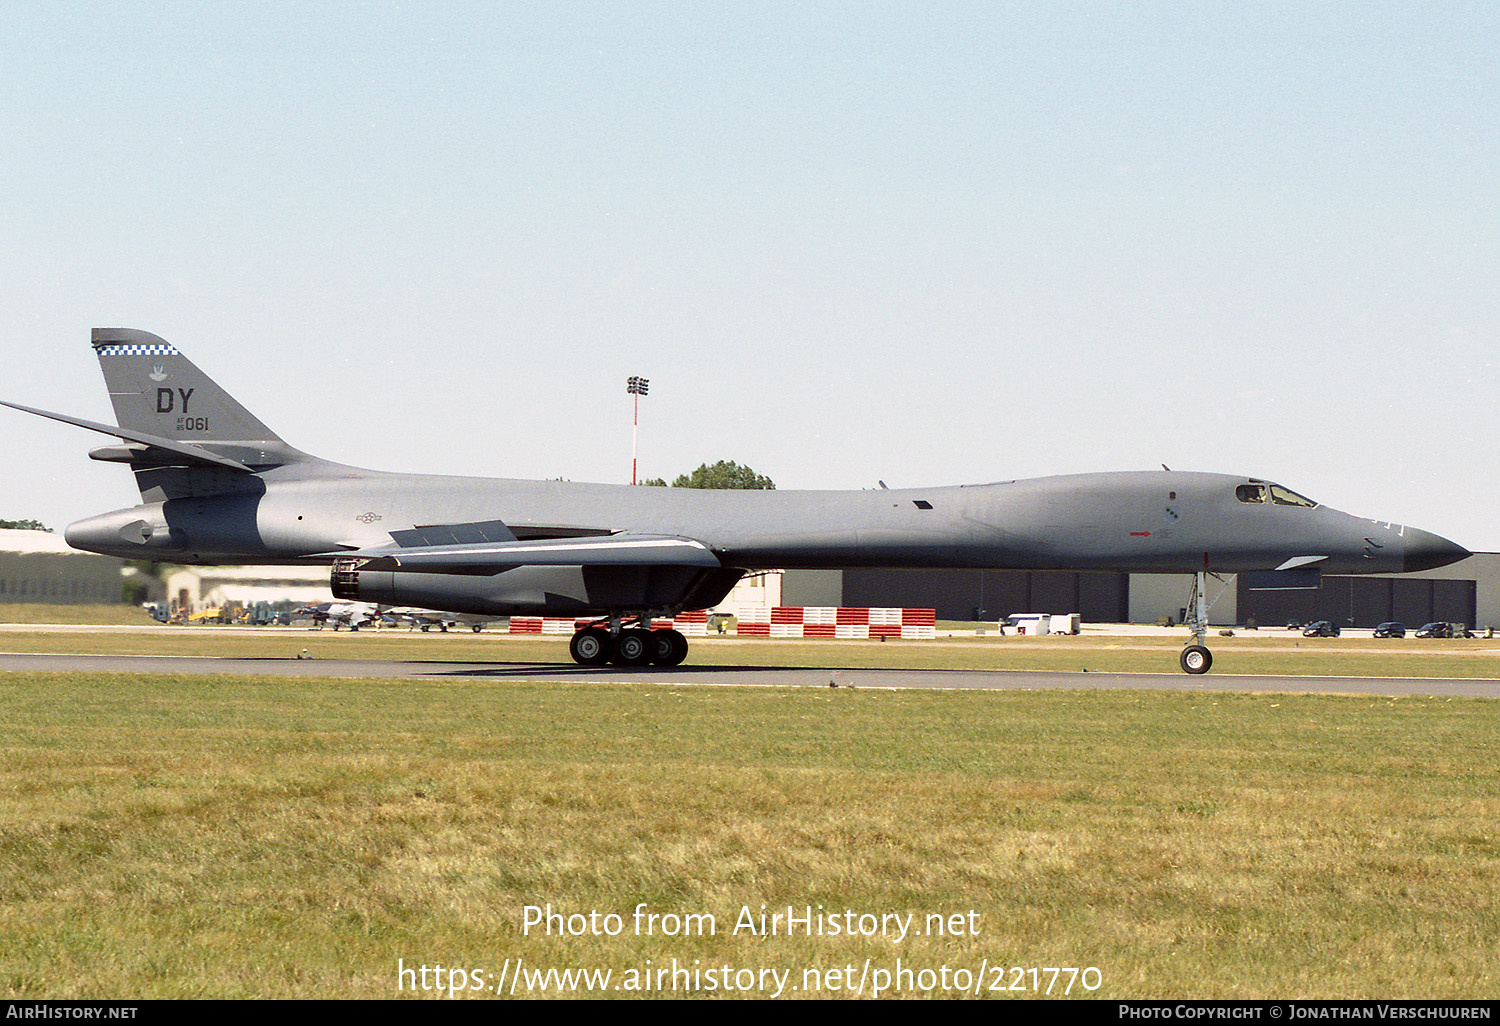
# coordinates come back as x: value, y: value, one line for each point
x: 38, y: 566
x: 1465, y: 592
x: 192, y: 589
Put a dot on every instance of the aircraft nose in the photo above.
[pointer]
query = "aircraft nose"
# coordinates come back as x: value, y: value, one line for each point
x: 1426, y: 551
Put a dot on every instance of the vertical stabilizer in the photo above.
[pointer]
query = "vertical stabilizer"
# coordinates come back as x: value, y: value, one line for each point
x: 157, y: 390
x: 158, y: 393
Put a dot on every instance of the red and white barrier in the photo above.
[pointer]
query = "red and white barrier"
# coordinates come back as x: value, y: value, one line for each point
x: 754, y: 622
x: 836, y: 622
x: 545, y: 624
x: 693, y: 623
x: 687, y: 623
x: 774, y: 622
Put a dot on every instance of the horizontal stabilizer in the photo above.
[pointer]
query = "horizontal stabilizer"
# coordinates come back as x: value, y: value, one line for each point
x: 492, y: 558
x: 185, y: 450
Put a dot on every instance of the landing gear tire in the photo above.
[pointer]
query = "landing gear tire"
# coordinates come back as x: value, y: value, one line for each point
x: 590, y: 647
x: 668, y: 648
x: 1196, y: 659
x: 631, y: 647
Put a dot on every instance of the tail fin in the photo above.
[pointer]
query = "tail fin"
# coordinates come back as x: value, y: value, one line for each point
x: 158, y: 391
x: 184, y: 434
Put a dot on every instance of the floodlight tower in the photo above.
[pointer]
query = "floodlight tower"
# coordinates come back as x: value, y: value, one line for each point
x: 636, y: 387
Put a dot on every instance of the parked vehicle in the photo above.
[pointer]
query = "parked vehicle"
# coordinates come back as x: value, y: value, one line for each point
x: 1445, y: 630
x: 1391, y: 629
x: 1321, y: 629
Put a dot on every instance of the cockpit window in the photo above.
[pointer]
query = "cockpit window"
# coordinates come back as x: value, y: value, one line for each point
x: 1260, y: 491
x: 1286, y: 497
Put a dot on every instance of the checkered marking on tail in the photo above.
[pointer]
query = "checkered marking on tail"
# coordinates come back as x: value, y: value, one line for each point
x: 138, y: 350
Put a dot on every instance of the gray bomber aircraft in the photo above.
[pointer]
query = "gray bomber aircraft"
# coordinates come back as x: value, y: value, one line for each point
x: 218, y: 486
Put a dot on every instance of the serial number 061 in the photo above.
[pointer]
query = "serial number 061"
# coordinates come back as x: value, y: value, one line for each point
x: 192, y: 423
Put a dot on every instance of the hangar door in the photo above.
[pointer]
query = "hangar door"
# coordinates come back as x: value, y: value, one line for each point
x: 992, y: 594
x: 1363, y: 602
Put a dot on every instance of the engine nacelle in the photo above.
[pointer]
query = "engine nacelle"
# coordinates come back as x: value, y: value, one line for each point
x: 539, y: 590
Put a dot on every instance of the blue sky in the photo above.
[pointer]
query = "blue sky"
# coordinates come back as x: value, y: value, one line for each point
x: 926, y: 243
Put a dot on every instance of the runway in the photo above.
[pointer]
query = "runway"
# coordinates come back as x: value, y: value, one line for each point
x: 743, y: 676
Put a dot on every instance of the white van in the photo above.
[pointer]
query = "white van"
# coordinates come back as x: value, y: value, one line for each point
x: 1027, y: 623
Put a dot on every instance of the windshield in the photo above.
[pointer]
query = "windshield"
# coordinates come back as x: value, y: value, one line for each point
x: 1286, y: 497
x: 1260, y: 491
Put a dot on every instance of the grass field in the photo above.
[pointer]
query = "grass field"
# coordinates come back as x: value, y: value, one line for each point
x: 44, y: 613
x: 172, y: 837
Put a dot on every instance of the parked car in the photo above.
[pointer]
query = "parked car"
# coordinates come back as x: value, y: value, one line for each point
x: 1321, y: 629
x: 1436, y: 630
x: 1391, y: 629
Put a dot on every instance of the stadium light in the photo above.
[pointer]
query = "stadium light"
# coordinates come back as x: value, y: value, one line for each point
x: 637, y: 387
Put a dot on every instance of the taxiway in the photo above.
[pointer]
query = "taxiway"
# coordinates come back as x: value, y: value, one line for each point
x: 741, y: 676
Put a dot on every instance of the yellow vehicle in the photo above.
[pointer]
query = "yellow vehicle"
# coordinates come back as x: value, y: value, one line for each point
x: 229, y: 612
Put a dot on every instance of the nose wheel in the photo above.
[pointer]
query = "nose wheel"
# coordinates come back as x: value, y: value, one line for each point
x: 1196, y: 659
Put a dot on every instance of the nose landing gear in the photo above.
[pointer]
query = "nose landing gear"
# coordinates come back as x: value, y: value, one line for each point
x: 1196, y: 658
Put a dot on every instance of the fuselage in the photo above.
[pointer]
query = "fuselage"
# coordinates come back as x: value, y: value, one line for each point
x: 1137, y: 522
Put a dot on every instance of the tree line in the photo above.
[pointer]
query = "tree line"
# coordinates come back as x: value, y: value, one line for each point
x: 723, y: 474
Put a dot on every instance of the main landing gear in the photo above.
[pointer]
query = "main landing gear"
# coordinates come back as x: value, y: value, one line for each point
x: 609, y: 642
x: 1196, y: 658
